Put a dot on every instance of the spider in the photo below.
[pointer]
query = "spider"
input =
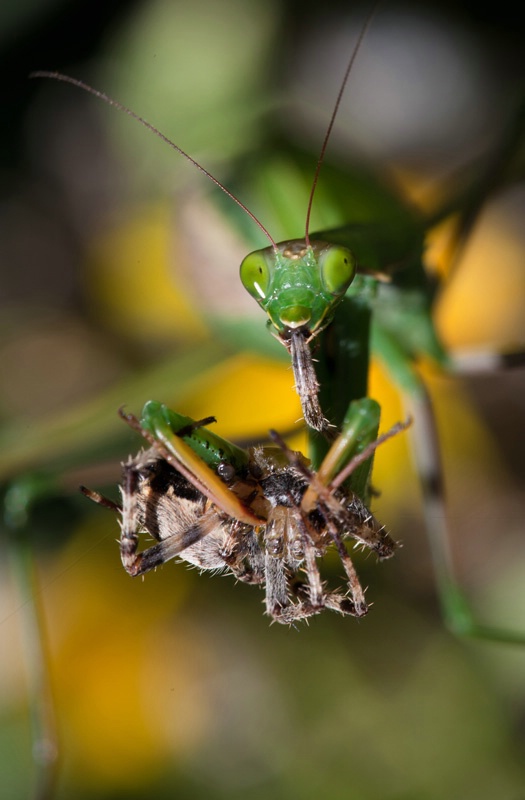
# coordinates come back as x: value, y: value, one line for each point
x: 260, y: 514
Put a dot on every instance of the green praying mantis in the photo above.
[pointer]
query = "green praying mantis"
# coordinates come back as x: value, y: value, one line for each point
x: 347, y: 292
x: 337, y: 296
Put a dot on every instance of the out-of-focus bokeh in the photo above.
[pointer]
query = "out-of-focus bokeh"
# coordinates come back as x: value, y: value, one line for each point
x: 118, y: 271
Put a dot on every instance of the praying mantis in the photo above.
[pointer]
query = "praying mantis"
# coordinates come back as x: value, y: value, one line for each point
x: 369, y: 294
x: 357, y: 288
x: 346, y: 292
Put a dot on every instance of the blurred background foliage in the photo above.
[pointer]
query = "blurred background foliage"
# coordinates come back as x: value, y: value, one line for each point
x: 119, y: 274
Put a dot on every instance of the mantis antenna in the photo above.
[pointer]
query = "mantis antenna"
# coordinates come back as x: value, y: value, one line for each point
x: 58, y: 76
x: 328, y: 133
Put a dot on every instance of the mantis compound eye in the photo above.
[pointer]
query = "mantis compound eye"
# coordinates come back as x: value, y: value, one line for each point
x: 337, y: 268
x: 255, y: 275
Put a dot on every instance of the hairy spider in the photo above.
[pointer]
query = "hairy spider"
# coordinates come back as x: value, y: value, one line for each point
x: 266, y: 520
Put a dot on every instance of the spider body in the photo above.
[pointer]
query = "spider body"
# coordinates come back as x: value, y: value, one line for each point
x: 274, y: 539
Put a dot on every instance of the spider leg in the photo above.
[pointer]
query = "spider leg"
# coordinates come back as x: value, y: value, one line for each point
x: 277, y: 600
x: 100, y: 499
x: 315, y: 585
x: 319, y: 598
x: 292, y: 542
x: 347, y: 507
x: 354, y: 585
x: 287, y: 545
x: 129, y: 525
x: 242, y: 554
x: 303, y: 608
